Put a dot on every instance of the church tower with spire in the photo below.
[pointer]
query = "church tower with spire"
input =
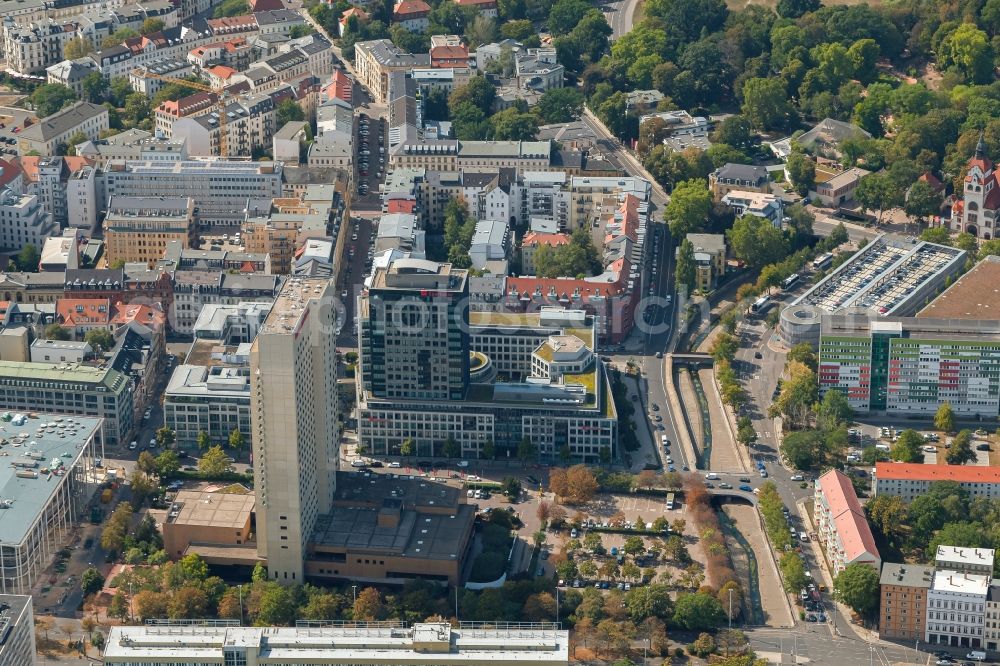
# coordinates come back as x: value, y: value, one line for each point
x: 980, y: 198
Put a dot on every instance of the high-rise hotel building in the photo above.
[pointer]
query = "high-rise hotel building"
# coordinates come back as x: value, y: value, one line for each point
x: 294, y: 421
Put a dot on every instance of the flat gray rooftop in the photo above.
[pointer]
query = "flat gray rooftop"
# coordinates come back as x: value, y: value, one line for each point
x: 35, y: 445
x: 883, y: 275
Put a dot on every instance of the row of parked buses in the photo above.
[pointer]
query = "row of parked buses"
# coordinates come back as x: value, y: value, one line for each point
x: 761, y: 305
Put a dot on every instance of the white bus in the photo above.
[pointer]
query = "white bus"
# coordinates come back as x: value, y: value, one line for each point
x: 790, y: 281
x: 822, y: 261
x: 761, y: 304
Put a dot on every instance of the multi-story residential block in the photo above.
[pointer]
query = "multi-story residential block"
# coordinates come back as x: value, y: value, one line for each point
x: 41, y: 508
x: 70, y: 389
x: 374, y: 60
x: 71, y: 73
x: 138, y: 229
x: 911, y: 480
x: 170, y: 111
x: 486, y: 8
x: 23, y: 221
x: 841, y: 524
x: 709, y: 258
x: 50, y: 132
x: 294, y: 421
x: 412, y: 15
x: 534, y: 240
x: 531, y: 644
x: 278, y: 21
x: 17, y: 635
x: 965, y: 560
x: 280, y: 230
x: 31, y: 288
x: 492, y: 243
x: 956, y: 608
x: 141, y: 81
x: 682, y: 129
x: 81, y: 199
x: 47, y: 178
x: 196, y: 288
x: 903, y: 605
x: 80, y: 316
x: 739, y: 177
x: 221, y: 189
x: 767, y: 206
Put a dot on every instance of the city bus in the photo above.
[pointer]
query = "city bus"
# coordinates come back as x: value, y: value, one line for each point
x: 760, y: 305
x: 790, y: 281
x: 822, y: 261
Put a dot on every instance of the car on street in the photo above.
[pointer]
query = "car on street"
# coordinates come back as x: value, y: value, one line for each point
x: 725, y: 486
x: 657, y: 418
x: 747, y: 489
x: 133, y: 446
x: 796, y: 477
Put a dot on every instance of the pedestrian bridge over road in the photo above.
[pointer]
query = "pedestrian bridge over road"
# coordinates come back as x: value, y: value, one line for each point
x: 692, y: 358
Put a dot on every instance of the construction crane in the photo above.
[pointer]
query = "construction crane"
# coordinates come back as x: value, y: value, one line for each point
x: 220, y: 104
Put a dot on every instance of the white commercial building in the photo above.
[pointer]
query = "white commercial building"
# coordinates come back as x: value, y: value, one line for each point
x: 23, y: 221
x: 323, y: 644
x: 293, y: 374
x: 41, y: 508
x: 221, y: 189
x: 17, y: 630
x: 491, y: 245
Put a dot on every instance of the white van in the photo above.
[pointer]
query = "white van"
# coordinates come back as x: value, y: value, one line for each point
x: 712, y: 476
x: 976, y: 655
x: 803, y: 537
x: 882, y: 447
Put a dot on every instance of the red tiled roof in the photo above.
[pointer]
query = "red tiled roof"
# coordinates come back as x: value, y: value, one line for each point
x: 73, y: 162
x: 411, y: 8
x: 847, y: 515
x: 266, y: 5
x: 220, y: 71
x: 353, y: 11
x: 141, y: 313
x: 9, y: 171
x: 84, y: 311
x: 921, y: 472
x: 449, y: 52
x: 29, y: 165
x: 541, y: 238
x: 401, y: 206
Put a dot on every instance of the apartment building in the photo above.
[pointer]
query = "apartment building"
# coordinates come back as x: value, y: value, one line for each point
x: 133, y: 144
x: 48, y: 177
x: 841, y: 524
x: 138, y: 229
x: 903, y: 601
x: 454, y: 155
x: 956, y: 609
x: 709, y: 259
x: 141, y: 81
x: 45, y: 136
x: 491, y: 247
x: 41, y: 509
x: 294, y: 422
x: 281, y: 229
x: 374, y: 60
x: 911, y: 480
x: 81, y: 199
x: 17, y: 630
x: 534, y: 240
x: 31, y: 288
x: 196, y: 288
x: 222, y: 190
x: 767, y: 206
x: 739, y: 177
x: 71, y: 73
x: 530, y: 644
x: 23, y: 221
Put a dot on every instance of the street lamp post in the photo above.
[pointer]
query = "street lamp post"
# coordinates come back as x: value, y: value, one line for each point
x: 240, y: 592
x: 354, y: 588
x: 730, y: 608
